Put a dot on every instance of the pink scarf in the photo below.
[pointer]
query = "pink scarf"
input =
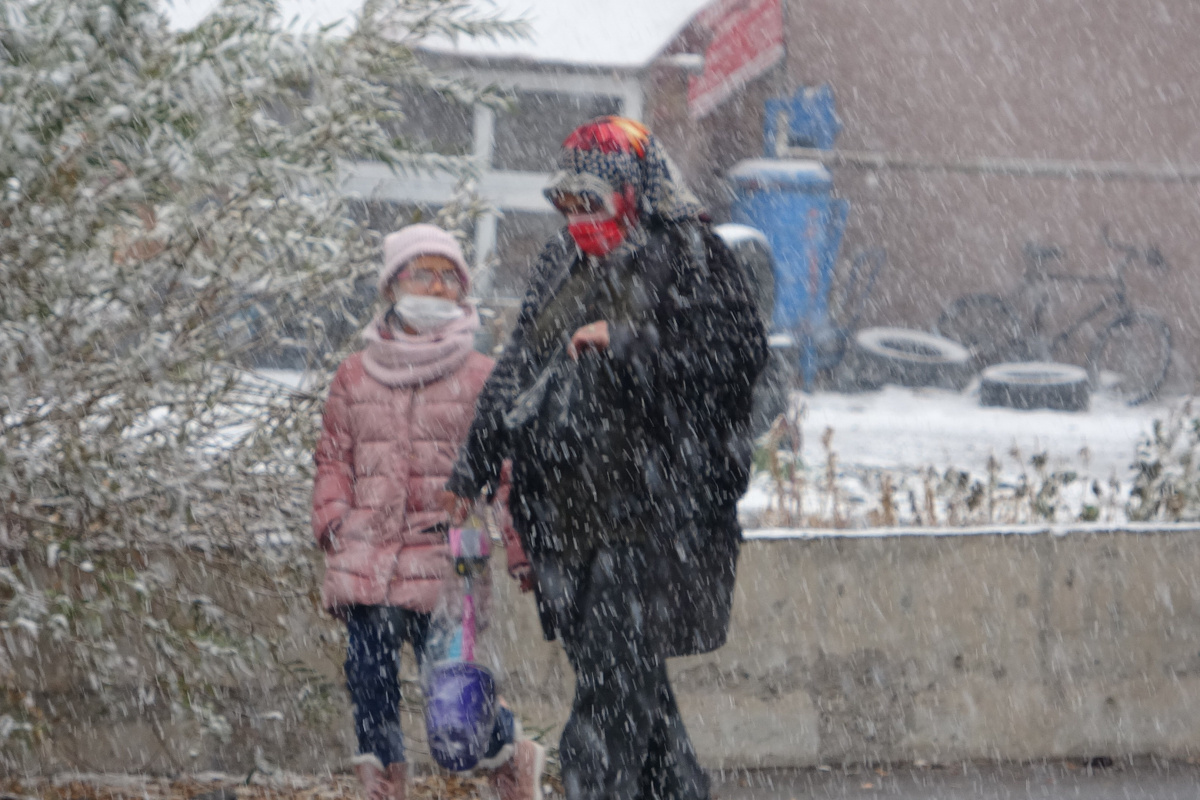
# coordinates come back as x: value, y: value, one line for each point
x: 398, y: 359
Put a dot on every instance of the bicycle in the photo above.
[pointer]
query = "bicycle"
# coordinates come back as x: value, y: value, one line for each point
x: 1131, y: 355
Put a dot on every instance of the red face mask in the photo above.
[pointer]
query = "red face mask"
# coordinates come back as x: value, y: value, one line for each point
x: 596, y: 234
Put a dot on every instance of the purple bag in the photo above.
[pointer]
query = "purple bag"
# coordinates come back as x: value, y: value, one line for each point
x: 460, y: 713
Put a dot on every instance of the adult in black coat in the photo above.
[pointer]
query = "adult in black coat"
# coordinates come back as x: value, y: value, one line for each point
x: 622, y: 399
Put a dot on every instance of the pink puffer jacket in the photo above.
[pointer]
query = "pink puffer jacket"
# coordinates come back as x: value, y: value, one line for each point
x: 383, y: 459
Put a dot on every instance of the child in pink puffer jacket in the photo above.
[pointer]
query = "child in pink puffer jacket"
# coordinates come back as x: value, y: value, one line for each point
x: 397, y: 412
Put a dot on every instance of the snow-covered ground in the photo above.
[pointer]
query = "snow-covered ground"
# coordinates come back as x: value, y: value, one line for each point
x: 915, y: 437
x: 899, y: 427
x: 946, y: 460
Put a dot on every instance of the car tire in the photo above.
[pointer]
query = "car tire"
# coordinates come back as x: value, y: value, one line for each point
x: 1036, y: 384
x: 907, y: 358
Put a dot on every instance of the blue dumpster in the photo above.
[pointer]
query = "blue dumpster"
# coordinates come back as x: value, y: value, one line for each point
x: 792, y: 203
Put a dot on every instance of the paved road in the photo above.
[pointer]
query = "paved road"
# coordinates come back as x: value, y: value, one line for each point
x: 1143, y: 779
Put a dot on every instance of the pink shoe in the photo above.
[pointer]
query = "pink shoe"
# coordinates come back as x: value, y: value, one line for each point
x: 371, y: 777
x: 397, y: 781
x: 520, y: 777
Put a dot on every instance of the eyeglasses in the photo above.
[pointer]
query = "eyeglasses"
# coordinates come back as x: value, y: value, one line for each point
x: 582, y: 203
x: 580, y: 193
x: 425, y: 277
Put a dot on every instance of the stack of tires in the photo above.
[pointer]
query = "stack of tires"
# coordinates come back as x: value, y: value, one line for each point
x: 905, y: 357
x: 1035, y: 384
x: 914, y: 358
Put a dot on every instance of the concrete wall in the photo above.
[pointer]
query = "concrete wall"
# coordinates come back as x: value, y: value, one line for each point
x: 940, y: 648
x: 842, y: 650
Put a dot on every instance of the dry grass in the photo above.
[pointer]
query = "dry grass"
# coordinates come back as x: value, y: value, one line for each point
x: 1019, y: 488
x: 290, y: 787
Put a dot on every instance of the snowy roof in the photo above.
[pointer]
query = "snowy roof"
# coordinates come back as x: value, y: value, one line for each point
x: 778, y: 173
x: 785, y: 169
x: 618, y: 33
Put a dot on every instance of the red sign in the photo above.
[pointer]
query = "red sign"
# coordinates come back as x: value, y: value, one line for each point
x: 747, y: 40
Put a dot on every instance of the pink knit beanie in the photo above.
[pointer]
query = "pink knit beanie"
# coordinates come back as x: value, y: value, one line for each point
x: 421, y: 239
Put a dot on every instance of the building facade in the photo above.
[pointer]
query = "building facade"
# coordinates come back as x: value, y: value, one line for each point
x: 1092, y: 81
x: 514, y: 150
x: 1095, y: 81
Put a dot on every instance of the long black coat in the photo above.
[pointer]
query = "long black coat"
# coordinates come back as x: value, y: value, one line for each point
x: 683, y: 364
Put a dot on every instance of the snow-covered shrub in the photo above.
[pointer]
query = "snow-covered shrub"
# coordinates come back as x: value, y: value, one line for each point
x: 1167, y: 485
x: 160, y: 191
x: 167, y: 201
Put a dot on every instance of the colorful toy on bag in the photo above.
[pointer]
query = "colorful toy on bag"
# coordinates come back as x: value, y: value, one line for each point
x: 460, y: 696
x: 470, y: 547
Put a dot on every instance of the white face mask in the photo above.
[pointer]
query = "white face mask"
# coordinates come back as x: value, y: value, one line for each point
x: 427, y: 314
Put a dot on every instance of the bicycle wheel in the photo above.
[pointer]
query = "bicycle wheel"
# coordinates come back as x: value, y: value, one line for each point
x: 986, y: 325
x: 1131, y: 357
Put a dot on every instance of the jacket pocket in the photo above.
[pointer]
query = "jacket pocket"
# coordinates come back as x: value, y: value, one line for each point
x: 355, y: 526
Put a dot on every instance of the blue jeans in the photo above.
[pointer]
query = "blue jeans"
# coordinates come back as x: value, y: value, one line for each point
x: 372, y: 675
